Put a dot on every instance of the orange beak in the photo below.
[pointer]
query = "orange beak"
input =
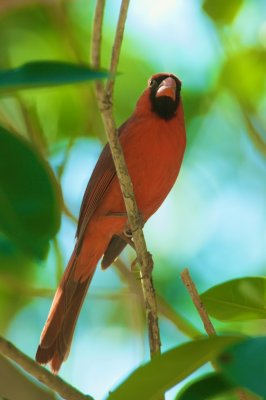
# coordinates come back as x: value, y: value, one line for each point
x: 167, y: 88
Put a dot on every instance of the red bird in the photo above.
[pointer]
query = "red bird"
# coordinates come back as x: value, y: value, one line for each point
x: 153, y: 141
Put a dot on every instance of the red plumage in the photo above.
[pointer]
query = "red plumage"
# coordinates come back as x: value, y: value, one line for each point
x: 153, y: 141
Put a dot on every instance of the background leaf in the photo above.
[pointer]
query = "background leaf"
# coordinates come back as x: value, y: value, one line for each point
x: 222, y: 11
x: 237, y: 300
x: 244, y: 74
x: 150, y: 381
x: 245, y: 364
x: 205, y: 388
x: 46, y: 73
x: 30, y: 208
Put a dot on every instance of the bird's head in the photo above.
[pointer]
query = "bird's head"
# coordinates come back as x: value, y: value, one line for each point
x: 164, y: 94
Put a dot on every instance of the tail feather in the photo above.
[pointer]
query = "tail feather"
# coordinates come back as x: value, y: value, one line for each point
x: 58, y: 331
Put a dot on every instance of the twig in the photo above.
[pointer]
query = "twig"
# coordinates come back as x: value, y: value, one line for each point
x: 55, y: 383
x: 97, y: 34
x: 188, y: 282
x: 96, y: 43
x: 105, y: 105
x: 117, y: 47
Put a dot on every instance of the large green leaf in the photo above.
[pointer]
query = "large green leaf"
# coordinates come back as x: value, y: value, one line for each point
x: 244, y: 364
x: 150, y: 381
x: 29, y: 196
x: 221, y: 11
x: 236, y: 300
x: 46, y: 73
x: 205, y: 388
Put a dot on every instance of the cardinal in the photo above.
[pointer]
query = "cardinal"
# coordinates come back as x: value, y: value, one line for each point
x: 153, y: 140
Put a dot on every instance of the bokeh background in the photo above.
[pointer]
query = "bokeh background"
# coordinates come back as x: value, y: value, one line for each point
x: 214, y: 220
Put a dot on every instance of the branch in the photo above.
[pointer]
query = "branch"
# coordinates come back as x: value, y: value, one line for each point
x: 97, y: 34
x: 105, y: 106
x: 55, y: 383
x: 192, y: 290
x: 117, y: 47
x: 96, y: 43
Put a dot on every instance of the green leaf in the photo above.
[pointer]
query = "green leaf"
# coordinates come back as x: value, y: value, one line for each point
x: 29, y: 196
x: 47, y: 73
x: 244, y: 74
x: 237, y: 300
x: 151, y: 380
x: 244, y: 364
x: 220, y: 11
x: 205, y: 388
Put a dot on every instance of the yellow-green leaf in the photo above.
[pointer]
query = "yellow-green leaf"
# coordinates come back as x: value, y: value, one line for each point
x: 237, y: 300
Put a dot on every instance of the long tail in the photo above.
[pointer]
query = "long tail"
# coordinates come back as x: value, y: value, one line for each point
x: 58, y: 331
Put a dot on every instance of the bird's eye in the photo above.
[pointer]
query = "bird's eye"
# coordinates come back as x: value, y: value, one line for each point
x: 151, y: 82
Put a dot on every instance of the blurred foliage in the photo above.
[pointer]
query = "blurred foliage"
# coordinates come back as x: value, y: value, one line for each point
x: 213, y: 220
x: 222, y: 12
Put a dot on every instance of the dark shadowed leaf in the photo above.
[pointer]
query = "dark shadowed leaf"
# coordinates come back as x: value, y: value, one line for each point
x: 205, y: 388
x: 244, y: 364
x: 29, y: 196
x: 237, y: 300
x: 46, y: 73
x: 151, y: 380
x: 220, y: 11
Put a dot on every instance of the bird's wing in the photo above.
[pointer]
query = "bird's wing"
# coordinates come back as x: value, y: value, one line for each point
x: 102, y: 175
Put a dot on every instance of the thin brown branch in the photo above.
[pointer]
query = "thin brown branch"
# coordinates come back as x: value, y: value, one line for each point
x: 134, y: 219
x: 97, y: 34
x: 192, y: 290
x: 55, y: 383
x: 97, y: 41
x: 117, y: 47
